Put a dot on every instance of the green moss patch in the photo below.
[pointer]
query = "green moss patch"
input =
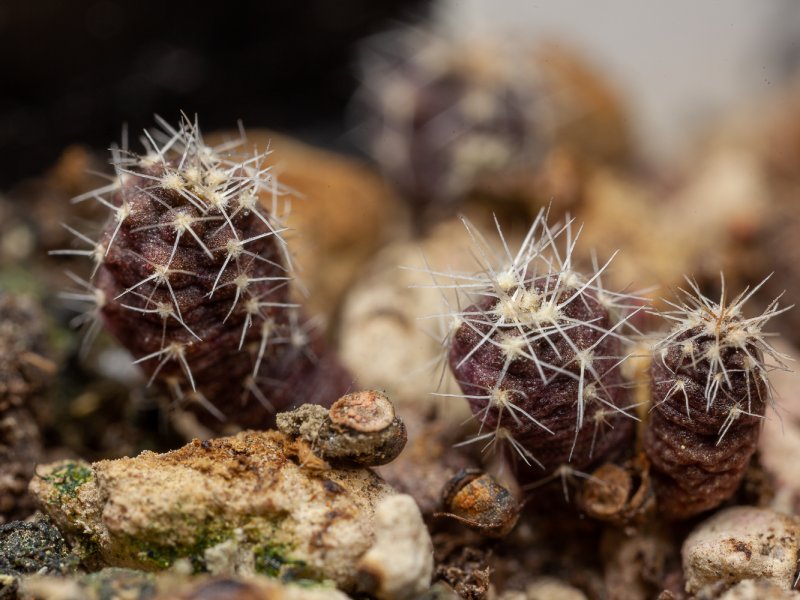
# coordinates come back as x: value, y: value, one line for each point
x: 162, y: 556
x: 67, y: 478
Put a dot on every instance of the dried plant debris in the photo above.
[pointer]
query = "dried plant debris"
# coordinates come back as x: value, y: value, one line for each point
x: 619, y: 494
x: 192, y: 275
x: 709, y: 391
x: 480, y: 502
x: 467, y: 573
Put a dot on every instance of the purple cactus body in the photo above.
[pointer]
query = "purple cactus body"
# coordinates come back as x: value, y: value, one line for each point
x: 546, y: 390
x: 193, y: 277
x: 709, y: 393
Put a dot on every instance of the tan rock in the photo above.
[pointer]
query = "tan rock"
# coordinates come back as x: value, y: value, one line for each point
x: 237, y: 496
x: 740, y: 543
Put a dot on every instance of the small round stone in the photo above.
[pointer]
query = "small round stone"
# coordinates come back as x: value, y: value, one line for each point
x: 367, y: 412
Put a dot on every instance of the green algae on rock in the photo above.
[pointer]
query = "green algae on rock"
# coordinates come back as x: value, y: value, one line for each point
x: 67, y: 478
x: 239, y: 505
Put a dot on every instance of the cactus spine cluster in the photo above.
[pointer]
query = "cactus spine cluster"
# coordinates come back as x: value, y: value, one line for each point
x: 709, y: 392
x: 537, y: 354
x: 193, y: 276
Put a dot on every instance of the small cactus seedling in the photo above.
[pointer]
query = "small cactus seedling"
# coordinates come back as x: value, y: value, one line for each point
x: 192, y: 275
x: 537, y: 355
x: 440, y: 113
x: 709, y: 390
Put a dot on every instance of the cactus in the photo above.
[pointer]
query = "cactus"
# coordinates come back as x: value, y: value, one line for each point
x: 437, y: 114
x: 537, y: 355
x: 709, y: 391
x: 193, y: 276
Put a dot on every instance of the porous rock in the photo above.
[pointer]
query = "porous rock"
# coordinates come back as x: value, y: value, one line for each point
x: 246, y: 491
x: 741, y: 543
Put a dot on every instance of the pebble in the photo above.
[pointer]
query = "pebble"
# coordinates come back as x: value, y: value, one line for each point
x: 741, y: 543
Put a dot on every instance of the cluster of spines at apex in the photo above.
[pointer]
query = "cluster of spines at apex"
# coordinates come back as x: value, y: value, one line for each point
x: 522, y: 315
x: 704, y: 332
x: 219, y: 182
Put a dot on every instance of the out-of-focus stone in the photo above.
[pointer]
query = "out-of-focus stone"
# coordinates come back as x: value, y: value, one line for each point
x: 341, y: 210
x: 248, y: 589
x: 545, y: 588
x: 779, y: 443
x: 700, y: 228
x: 637, y: 566
x: 128, y: 584
x: 400, y: 564
x: 247, y: 491
x: 741, y: 543
x: 24, y: 369
x: 106, y: 584
x: 751, y: 589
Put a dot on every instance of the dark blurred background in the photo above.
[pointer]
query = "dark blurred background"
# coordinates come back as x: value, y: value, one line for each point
x: 74, y: 71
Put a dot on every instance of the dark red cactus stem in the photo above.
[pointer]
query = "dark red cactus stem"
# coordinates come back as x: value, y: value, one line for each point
x: 193, y: 277
x: 537, y: 357
x: 709, y: 392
